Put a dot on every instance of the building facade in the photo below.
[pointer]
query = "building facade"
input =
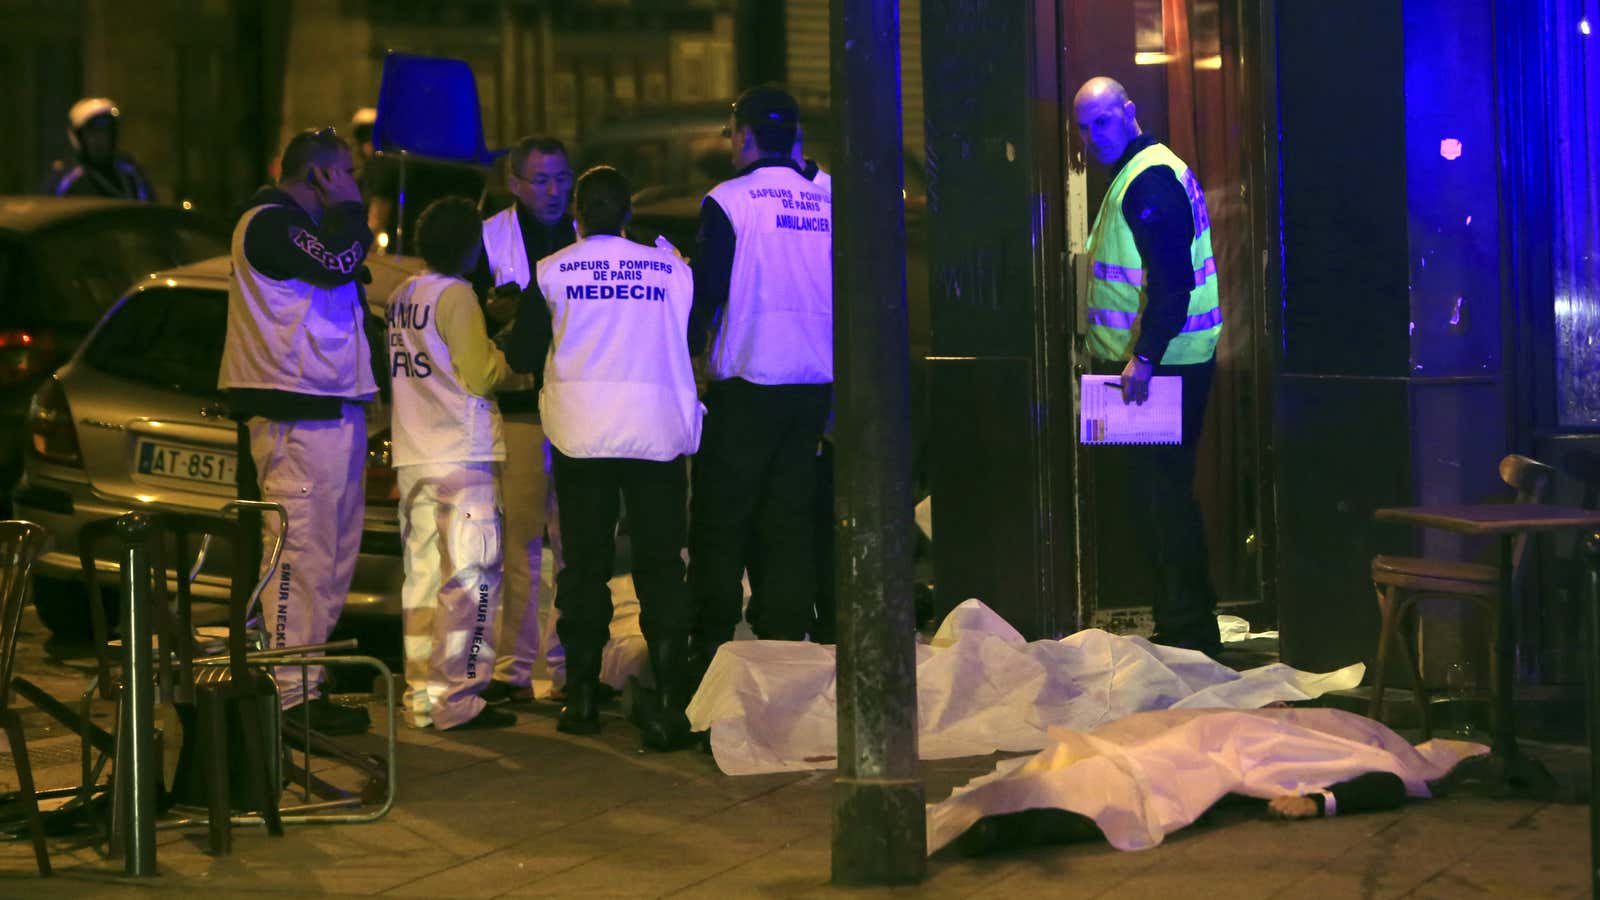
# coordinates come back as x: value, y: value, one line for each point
x: 1406, y: 234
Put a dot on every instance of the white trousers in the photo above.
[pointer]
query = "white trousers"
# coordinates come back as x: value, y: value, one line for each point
x: 527, y: 624
x: 314, y: 468
x: 450, y: 525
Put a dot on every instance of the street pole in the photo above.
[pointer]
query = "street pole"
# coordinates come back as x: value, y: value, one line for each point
x: 137, y: 764
x: 879, y: 833
x: 1591, y: 570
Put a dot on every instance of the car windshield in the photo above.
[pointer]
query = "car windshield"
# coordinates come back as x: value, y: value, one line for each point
x: 165, y: 337
x: 85, y: 267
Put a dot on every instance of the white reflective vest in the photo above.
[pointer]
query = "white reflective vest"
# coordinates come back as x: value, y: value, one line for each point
x: 292, y: 335
x: 618, y: 381
x: 435, y: 418
x: 778, y: 325
x: 508, y: 262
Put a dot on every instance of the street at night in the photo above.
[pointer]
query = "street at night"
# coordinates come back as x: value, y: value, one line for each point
x: 645, y: 448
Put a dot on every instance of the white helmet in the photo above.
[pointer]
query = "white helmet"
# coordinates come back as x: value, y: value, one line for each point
x: 90, y: 108
x: 83, y: 112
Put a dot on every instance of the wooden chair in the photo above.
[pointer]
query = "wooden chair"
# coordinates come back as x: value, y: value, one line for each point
x: 20, y: 544
x: 1400, y: 580
x: 224, y: 697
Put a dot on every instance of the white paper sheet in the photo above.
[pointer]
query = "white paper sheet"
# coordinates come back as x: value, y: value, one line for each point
x: 1234, y: 629
x: 1105, y: 419
x: 1145, y: 776
x: 770, y: 705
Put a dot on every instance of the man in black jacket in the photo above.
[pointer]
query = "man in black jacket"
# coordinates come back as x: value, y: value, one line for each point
x: 1153, y: 310
x: 514, y: 240
x: 763, y: 319
x: 296, y: 366
x: 96, y: 169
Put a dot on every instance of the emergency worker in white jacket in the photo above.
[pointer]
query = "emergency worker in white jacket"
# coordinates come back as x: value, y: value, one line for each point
x: 763, y: 317
x: 447, y: 440
x: 620, y: 409
x: 297, y: 369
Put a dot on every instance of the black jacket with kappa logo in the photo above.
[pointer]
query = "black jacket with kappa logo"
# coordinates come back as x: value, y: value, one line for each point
x: 284, y: 243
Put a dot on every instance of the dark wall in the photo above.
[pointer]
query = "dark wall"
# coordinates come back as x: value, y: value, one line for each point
x: 41, y: 66
x: 1391, y: 388
x: 1000, y: 462
x: 1343, y: 430
x: 759, y: 41
x: 1342, y: 112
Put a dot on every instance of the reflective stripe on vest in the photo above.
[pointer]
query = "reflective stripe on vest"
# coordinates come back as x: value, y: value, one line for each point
x: 1116, y: 293
x: 1121, y: 319
x: 1135, y: 277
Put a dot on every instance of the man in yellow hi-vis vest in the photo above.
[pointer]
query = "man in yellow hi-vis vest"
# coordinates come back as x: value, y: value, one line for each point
x: 1153, y: 310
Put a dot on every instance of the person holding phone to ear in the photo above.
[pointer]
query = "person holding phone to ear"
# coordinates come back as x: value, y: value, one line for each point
x: 514, y: 240
x: 296, y: 367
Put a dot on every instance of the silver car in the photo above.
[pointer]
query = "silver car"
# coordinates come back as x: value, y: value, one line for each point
x: 134, y: 421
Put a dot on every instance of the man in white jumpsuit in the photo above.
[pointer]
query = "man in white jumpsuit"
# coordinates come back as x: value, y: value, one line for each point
x: 514, y: 240
x: 447, y: 441
x: 297, y: 368
x: 608, y: 326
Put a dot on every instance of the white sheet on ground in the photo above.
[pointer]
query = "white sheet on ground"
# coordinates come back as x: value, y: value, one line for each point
x: 770, y: 705
x: 625, y: 654
x: 1147, y: 775
x: 1235, y: 629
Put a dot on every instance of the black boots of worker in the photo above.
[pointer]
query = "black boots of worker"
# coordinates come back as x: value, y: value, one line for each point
x: 661, y: 720
x: 581, y: 714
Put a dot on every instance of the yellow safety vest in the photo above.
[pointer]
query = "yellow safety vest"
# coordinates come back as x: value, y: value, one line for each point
x: 1117, y: 277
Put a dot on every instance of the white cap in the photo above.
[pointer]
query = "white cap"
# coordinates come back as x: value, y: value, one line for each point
x: 366, y: 115
x: 90, y: 108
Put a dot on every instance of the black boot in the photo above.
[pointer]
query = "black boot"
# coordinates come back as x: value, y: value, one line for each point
x: 581, y: 714
x: 663, y: 724
x: 698, y: 658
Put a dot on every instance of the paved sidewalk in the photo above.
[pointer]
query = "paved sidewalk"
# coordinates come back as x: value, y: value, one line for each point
x: 532, y: 812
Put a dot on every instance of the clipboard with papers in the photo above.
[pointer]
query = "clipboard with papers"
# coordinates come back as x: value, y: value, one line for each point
x: 1105, y: 419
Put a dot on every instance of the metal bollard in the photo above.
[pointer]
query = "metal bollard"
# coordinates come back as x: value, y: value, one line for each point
x: 1591, y: 561
x: 137, y: 750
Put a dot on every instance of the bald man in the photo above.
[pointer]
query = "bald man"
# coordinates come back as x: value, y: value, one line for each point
x: 1153, y: 310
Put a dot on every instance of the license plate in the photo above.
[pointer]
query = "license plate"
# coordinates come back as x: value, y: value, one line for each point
x: 186, y: 463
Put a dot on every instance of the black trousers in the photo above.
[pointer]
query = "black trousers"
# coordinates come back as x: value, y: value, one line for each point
x: 1161, y: 494
x: 655, y: 493
x: 825, y: 629
x: 753, y: 504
